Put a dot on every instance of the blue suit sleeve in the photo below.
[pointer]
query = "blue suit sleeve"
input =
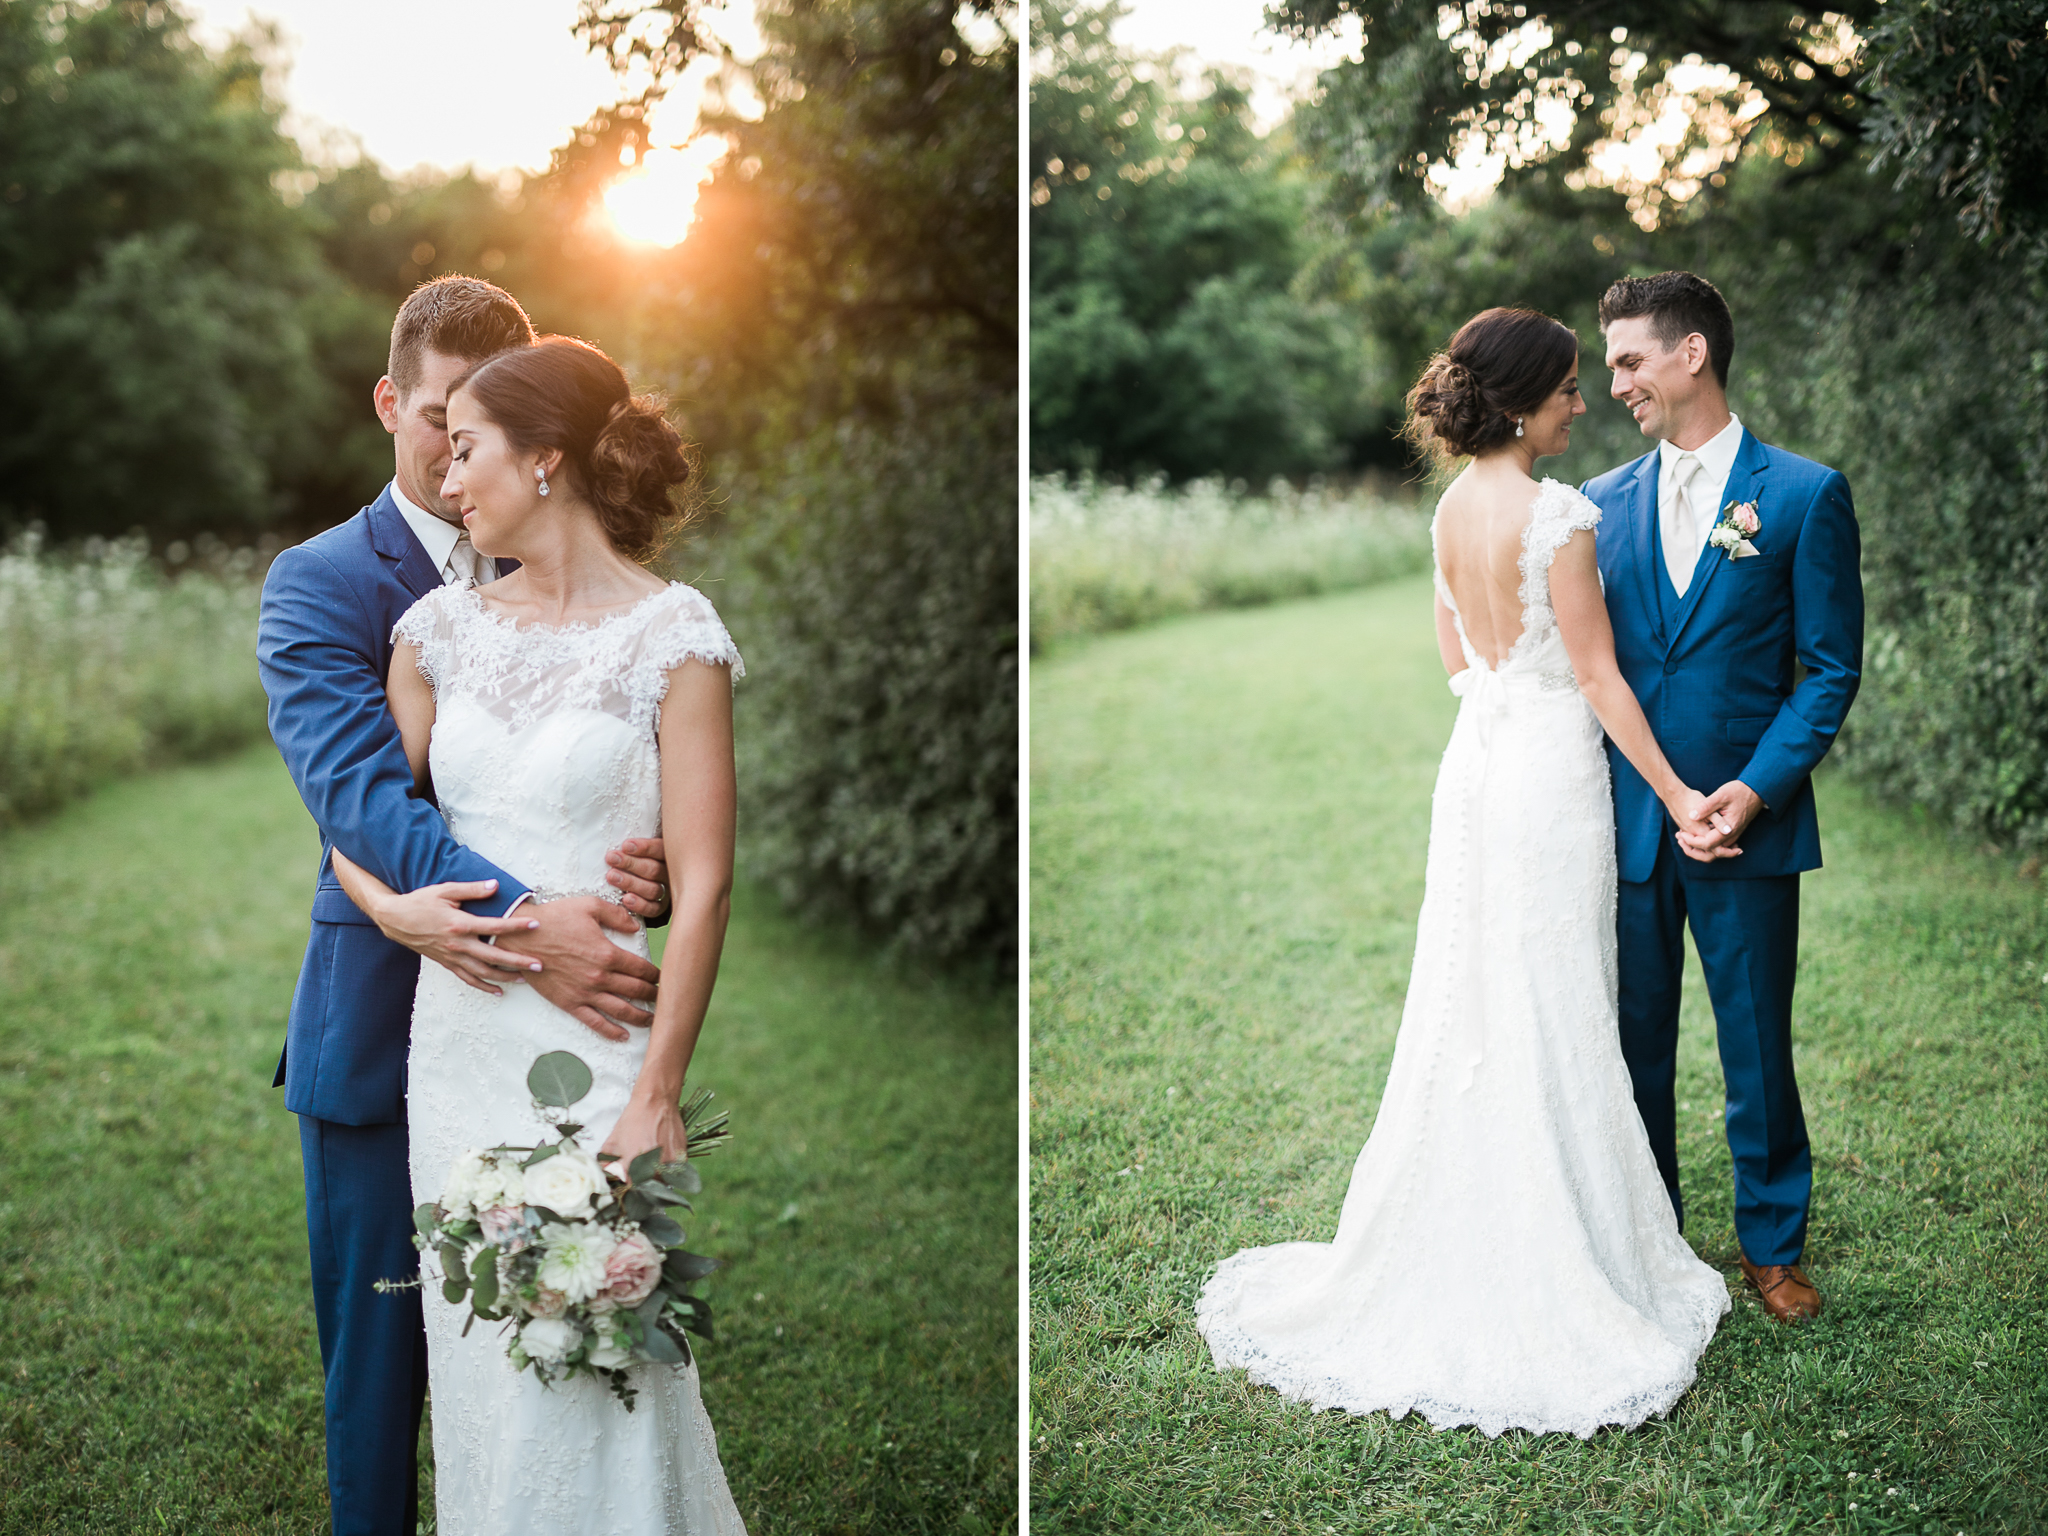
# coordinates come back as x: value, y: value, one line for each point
x: 1827, y: 630
x: 316, y: 649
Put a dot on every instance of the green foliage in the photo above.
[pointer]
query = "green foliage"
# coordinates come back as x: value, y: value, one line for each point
x: 162, y: 1367
x: 1233, y: 814
x: 157, y: 350
x: 1960, y: 99
x: 108, y: 666
x: 1166, y: 333
x: 1107, y: 557
x: 875, y: 580
x: 1416, y: 87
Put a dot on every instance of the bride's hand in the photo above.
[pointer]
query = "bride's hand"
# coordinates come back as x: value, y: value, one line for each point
x: 645, y: 1124
x: 1703, y: 836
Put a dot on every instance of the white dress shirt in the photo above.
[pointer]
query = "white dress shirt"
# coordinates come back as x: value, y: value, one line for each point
x: 439, y: 538
x: 1717, y: 461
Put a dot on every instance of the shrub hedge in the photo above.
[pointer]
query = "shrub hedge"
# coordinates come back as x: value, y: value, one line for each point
x: 873, y: 590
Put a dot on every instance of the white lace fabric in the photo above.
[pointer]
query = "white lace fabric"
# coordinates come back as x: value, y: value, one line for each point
x: 1507, y: 1256
x: 544, y: 756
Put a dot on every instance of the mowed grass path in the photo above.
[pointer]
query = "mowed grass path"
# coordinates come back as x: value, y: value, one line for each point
x: 1229, y: 816
x: 159, y: 1368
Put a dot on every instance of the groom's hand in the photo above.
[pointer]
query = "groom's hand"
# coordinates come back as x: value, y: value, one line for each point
x: 1728, y: 810
x: 581, y: 971
x: 639, y: 868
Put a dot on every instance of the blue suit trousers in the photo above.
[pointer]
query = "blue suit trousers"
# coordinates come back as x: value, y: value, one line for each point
x: 373, y: 1346
x: 1747, y: 935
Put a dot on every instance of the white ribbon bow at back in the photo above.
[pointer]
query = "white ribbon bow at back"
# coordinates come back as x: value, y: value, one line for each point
x: 1489, y: 696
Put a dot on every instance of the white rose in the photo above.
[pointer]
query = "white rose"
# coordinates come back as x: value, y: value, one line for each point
x: 606, y: 1355
x: 548, y: 1340
x: 573, y: 1259
x: 458, y: 1191
x: 566, y: 1183
x: 500, y: 1183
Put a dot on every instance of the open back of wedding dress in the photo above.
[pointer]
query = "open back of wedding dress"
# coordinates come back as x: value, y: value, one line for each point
x: 544, y: 757
x: 1507, y: 1256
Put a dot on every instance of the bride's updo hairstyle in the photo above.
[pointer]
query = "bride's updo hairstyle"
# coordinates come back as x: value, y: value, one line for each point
x: 1503, y: 363
x: 618, y: 450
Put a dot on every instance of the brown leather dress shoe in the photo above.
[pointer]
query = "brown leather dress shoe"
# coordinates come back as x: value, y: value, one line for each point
x: 1784, y: 1289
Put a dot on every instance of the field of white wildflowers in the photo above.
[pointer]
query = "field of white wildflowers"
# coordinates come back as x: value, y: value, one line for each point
x: 1106, y: 556
x: 109, y: 665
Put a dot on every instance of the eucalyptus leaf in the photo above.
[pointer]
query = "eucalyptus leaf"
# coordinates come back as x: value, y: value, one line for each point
x: 451, y: 1260
x: 655, y: 1190
x: 662, y: 1231
x: 638, y: 1204
x: 659, y: 1347
x: 558, y: 1078
x: 540, y: 1155
x: 645, y: 1165
x: 688, y: 1267
x: 483, y: 1275
x: 424, y: 1217
x: 454, y: 1288
x: 683, y: 1176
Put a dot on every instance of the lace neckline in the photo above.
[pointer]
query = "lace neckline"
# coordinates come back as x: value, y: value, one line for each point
x: 574, y: 627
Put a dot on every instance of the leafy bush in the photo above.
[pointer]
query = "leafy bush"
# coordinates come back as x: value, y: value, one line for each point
x: 107, y: 666
x: 1933, y: 399
x: 874, y: 593
x: 1107, y: 557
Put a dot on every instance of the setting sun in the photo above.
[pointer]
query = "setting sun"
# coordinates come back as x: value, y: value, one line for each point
x: 655, y: 202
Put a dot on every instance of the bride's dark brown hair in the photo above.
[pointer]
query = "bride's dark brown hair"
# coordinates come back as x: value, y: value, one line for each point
x: 1503, y: 363
x: 619, y: 451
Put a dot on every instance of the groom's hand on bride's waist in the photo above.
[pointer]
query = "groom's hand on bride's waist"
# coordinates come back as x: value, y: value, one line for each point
x: 583, y: 972
x: 638, y: 867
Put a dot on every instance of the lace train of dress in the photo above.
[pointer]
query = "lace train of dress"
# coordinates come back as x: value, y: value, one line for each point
x: 1507, y: 1256
x: 544, y: 757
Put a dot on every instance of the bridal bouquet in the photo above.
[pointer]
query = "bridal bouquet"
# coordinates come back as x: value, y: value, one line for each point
x: 587, y: 1267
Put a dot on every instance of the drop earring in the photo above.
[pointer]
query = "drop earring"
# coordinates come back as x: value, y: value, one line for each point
x: 543, y: 487
x: 1518, y: 433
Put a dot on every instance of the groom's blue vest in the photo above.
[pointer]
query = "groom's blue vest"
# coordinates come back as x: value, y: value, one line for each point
x: 324, y: 648
x: 1715, y: 670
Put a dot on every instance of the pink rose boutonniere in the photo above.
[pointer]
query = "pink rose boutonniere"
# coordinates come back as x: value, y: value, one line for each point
x: 1739, y: 523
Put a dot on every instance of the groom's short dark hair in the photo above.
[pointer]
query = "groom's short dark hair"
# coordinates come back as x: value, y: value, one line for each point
x: 457, y: 316
x: 1677, y: 304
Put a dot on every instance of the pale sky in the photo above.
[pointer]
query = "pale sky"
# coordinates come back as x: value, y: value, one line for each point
x: 492, y: 83
x: 1234, y: 32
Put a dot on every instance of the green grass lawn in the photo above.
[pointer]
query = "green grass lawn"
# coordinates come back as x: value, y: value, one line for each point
x: 1229, y: 816
x: 158, y: 1363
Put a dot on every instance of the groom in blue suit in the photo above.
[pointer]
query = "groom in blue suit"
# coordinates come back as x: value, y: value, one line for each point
x: 1726, y: 563
x: 324, y: 648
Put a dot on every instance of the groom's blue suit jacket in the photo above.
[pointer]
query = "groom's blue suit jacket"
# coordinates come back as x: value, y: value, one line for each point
x: 1749, y: 675
x: 324, y: 647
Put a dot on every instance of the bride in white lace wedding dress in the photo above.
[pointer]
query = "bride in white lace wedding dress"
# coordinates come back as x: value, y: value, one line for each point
x: 1507, y: 1256
x: 547, y: 743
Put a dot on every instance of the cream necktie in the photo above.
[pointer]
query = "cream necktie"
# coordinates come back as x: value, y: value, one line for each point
x: 464, y: 561
x: 1681, y: 529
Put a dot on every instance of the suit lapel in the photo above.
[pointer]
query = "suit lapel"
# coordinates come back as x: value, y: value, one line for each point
x: 1642, y: 520
x: 1745, y: 483
x: 394, y: 541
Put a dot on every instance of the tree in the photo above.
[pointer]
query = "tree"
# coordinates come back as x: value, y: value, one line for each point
x: 157, y: 358
x: 1168, y: 331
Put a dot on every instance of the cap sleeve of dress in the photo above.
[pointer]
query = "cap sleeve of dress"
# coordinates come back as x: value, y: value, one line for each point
x: 1560, y: 512
x: 682, y: 626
